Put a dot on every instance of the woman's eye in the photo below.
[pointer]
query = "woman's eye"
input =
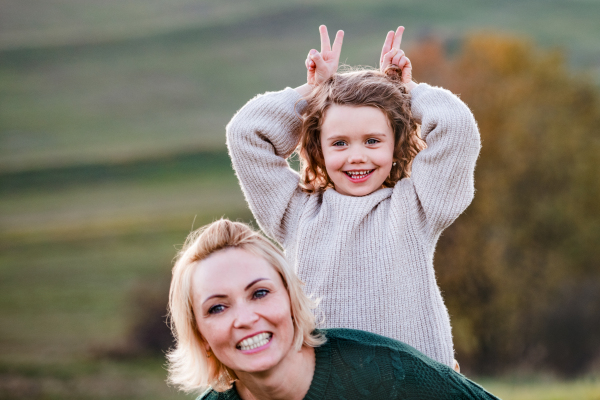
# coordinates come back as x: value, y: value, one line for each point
x: 260, y: 293
x: 372, y: 141
x: 216, y: 309
x: 339, y: 143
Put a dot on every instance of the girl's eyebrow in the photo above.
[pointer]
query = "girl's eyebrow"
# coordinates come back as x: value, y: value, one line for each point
x: 337, y: 137
x: 246, y: 288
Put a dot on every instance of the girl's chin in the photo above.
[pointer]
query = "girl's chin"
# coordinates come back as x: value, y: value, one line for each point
x: 355, y: 192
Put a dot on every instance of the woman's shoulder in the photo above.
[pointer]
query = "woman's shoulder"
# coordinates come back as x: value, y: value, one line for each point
x: 211, y: 394
x: 364, y: 338
x: 352, y: 343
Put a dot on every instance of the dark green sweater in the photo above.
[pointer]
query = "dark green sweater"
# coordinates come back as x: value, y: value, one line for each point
x: 360, y: 365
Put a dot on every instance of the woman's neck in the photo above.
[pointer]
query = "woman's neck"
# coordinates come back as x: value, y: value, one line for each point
x: 289, y: 380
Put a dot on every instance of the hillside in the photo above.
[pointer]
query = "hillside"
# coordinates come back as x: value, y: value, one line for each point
x: 102, y: 82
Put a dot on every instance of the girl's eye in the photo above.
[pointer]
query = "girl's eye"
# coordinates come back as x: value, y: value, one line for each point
x: 260, y: 293
x: 216, y: 309
x: 339, y: 143
x: 372, y: 141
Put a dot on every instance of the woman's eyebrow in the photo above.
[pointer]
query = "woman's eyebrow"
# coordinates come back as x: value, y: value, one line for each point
x: 246, y: 288
x: 214, y: 296
x: 254, y: 281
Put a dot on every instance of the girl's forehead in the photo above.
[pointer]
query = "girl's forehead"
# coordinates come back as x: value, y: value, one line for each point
x: 355, y: 118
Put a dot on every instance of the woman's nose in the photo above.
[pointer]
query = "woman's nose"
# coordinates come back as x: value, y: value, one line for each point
x: 245, y: 316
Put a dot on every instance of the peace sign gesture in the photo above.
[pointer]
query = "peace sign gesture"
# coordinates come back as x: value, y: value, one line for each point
x: 392, y: 55
x: 321, y: 66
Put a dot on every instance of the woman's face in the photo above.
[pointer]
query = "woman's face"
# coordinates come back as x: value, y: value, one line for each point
x: 242, y: 310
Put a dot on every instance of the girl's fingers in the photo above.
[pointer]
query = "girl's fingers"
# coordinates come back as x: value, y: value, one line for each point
x: 398, y: 37
x: 402, y: 62
x: 309, y: 63
x: 315, y: 56
x: 399, y: 54
x: 325, y: 42
x: 337, y: 43
x: 407, y: 71
x: 387, y: 58
x: 387, y: 45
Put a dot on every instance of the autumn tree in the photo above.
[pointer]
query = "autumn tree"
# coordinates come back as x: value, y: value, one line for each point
x: 520, y: 268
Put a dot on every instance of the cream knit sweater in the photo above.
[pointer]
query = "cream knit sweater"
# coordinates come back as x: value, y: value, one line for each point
x: 369, y: 259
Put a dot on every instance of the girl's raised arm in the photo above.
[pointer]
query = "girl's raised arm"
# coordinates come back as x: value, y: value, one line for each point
x: 264, y: 133
x: 442, y: 174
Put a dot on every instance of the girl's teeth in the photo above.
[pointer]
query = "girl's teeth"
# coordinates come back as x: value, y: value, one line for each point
x: 358, y: 174
x: 255, y: 341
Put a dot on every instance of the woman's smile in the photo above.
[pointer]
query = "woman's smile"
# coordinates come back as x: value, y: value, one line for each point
x: 255, y: 343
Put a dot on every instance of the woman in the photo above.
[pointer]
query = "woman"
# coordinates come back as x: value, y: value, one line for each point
x: 245, y: 330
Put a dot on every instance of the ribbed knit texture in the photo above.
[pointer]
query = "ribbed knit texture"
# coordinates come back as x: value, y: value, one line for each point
x: 356, y: 365
x: 369, y: 259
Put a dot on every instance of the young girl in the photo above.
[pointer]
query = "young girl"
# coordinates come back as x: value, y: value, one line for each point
x: 358, y: 226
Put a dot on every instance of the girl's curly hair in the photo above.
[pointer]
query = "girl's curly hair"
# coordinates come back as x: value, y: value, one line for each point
x: 370, y: 88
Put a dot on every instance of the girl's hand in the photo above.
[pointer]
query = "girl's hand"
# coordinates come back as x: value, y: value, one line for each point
x: 391, y: 54
x: 321, y: 66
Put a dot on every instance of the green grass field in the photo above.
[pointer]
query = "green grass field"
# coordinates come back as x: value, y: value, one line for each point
x: 74, y: 246
x: 112, y: 119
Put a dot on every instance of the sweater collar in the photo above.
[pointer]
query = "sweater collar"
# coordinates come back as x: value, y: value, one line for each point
x: 322, y: 372
x: 369, y: 200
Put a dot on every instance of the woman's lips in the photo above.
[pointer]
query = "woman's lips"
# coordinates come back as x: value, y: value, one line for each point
x: 255, y: 343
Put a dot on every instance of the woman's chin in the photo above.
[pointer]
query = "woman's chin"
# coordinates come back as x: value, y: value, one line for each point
x: 256, y: 366
x: 260, y: 359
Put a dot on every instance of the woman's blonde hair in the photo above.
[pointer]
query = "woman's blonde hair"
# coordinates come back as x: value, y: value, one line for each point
x: 190, y: 368
x: 370, y: 88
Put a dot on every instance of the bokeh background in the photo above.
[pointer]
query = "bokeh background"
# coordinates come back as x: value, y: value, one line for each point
x: 112, y: 149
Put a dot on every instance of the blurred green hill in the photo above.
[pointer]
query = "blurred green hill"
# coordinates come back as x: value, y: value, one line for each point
x: 112, y: 119
x: 88, y: 82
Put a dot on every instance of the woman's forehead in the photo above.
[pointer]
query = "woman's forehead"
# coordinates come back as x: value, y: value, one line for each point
x: 231, y: 269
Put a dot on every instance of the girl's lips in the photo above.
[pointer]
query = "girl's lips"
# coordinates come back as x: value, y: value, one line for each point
x: 359, y: 180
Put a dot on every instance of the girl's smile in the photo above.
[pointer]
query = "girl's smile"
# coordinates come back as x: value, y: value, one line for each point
x: 358, y: 148
x: 359, y: 176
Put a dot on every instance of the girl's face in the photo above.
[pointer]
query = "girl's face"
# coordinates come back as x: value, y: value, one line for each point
x: 242, y: 310
x: 358, y: 147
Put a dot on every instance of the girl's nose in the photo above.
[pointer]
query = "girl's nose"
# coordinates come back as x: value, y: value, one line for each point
x: 357, y: 158
x: 245, y: 316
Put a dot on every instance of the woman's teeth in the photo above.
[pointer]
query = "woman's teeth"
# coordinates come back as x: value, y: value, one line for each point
x: 358, y: 174
x: 255, y: 341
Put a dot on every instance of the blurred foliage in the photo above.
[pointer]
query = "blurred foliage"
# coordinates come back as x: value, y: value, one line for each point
x: 520, y: 269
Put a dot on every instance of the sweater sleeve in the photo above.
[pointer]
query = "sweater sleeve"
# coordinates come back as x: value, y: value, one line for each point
x: 442, y: 173
x: 260, y: 137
